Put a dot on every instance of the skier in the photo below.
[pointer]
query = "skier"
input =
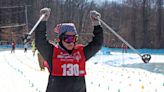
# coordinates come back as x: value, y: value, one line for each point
x: 13, y: 45
x: 41, y: 61
x: 124, y: 48
x: 66, y: 60
x: 25, y: 47
x: 33, y: 47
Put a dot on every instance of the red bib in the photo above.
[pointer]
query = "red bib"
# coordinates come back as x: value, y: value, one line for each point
x: 65, y: 64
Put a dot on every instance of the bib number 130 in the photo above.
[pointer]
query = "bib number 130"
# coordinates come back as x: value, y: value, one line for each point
x: 70, y: 69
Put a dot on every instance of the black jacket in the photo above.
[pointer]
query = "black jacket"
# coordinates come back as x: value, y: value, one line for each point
x: 66, y: 84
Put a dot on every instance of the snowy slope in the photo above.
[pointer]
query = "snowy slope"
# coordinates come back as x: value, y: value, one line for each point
x: 114, y: 72
x: 22, y: 69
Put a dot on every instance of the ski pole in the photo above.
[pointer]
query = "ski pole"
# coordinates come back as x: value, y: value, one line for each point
x: 27, y: 36
x: 145, y: 57
x: 37, y: 23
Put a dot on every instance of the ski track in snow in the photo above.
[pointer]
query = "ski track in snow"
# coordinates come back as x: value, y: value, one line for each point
x: 116, y: 72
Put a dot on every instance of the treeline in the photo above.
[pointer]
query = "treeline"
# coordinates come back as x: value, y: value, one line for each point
x: 140, y: 22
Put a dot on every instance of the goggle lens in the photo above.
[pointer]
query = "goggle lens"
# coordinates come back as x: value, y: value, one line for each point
x: 70, y: 38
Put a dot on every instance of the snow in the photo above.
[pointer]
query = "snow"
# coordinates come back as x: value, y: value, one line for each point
x: 109, y: 70
x: 21, y: 73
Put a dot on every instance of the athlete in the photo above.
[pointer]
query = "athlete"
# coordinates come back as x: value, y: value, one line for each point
x: 13, y: 45
x: 67, y: 59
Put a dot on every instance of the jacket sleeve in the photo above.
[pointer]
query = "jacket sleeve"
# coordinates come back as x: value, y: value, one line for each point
x: 95, y: 45
x: 42, y: 44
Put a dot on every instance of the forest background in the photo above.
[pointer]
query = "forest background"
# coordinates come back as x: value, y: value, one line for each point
x: 139, y: 22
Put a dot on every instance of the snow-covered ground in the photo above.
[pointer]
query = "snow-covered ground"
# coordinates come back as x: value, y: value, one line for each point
x: 114, y: 72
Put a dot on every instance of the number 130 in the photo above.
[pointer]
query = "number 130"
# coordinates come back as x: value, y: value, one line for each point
x: 73, y: 69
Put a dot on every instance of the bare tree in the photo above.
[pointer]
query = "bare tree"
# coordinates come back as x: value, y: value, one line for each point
x: 140, y: 22
x: 159, y: 25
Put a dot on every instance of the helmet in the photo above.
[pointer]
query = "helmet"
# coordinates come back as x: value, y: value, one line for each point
x: 65, y: 27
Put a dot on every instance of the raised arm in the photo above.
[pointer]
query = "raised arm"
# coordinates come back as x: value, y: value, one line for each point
x: 41, y: 42
x: 97, y: 41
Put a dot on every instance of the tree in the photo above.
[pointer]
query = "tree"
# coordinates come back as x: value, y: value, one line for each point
x: 159, y: 25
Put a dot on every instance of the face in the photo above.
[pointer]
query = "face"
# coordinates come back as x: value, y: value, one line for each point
x: 69, y: 40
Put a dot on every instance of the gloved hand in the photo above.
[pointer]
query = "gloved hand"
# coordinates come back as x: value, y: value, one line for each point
x: 26, y: 38
x: 94, y: 15
x: 45, y: 11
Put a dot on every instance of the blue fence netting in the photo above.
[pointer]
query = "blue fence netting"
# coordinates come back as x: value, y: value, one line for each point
x: 18, y: 46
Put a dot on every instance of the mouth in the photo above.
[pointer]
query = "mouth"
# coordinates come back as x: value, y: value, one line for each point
x: 70, y: 45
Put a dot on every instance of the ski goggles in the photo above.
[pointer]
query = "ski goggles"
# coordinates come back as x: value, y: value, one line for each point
x: 70, y: 38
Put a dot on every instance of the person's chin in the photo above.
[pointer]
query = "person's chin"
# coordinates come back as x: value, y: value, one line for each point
x: 70, y: 48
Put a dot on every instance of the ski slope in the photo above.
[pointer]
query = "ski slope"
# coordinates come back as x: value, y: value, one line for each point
x: 114, y: 72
